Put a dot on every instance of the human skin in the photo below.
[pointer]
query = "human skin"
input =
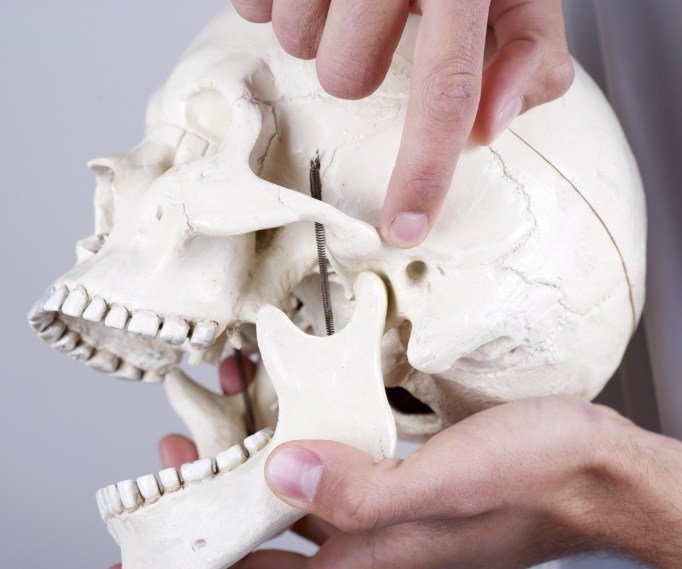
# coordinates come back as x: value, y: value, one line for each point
x: 507, y: 488
x: 461, y: 88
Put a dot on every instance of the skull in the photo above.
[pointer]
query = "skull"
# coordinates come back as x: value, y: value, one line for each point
x: 530, y: 284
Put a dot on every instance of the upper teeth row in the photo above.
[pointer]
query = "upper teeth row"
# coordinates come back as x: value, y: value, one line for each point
x: 57, y: 333
x: 129, y: 495
x: 172, y: 330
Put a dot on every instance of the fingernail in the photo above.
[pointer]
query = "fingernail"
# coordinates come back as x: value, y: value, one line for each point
x: 294, y: 473
x: 408, y: 229
x: 510, y: 111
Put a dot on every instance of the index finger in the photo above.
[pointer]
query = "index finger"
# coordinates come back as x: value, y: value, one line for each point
x: 444, y: 96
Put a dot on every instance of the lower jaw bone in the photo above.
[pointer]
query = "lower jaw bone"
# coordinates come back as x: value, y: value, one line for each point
x: 328, y: 388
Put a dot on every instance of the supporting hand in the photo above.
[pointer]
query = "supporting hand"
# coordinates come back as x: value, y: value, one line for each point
x: 461, y: 85
x: 509, y: 487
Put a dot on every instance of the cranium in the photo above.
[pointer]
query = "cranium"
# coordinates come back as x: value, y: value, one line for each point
x: 530, y: 283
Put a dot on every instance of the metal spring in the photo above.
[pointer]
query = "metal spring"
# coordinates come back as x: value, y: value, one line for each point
x: 320, y: 238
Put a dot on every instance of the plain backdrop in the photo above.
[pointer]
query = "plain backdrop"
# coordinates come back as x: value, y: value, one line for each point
x: 75, y: 78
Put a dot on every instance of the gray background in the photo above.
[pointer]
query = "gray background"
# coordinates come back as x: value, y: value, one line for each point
x: 75, y: 79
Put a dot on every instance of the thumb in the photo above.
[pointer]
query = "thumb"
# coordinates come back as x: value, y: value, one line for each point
x: 340, y: 484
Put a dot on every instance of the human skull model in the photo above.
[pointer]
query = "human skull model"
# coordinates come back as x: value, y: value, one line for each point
x: 530, y: 283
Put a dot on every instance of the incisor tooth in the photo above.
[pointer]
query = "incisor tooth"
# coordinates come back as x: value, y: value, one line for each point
x: 130, y: 495
x: 197, y: 470
x: 75, y: 303
x: 117, y: 317
x: 38, y: 317
x: 54, y: 331
x: 101, y: 505
x: 128, y: 371
x: 204, y: 335
x: 95, y: 310
x: 230, y: 459
x: 149, y: 488
x: 174, y: 331
x: 103, y: 361
x: 257, y: 441
x: 170, y: 481
x: 67, y: 342
x: 57, y: 298
x: 145, y: 323
x: 82, y: 352
x: 113, y: 500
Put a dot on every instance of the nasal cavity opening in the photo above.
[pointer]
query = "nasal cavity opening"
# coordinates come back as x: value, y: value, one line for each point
x: 403, y: 401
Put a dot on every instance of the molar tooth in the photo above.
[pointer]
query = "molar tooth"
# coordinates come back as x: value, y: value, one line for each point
x: 128, y: 371
x: 204, y: 334
x: 169, y: 480
x: 103, y: 361
x: 144, y: 322
x: 152, y: 377
x: 113, y: 500
x: 54, y: 331
x: 67, y: 342
x: 75, y: 303
x: 117, y: 317
x: 149, y: 488
x: 130, y: 495
x: 197, y: 470
x: 82, y: 352
x: 257, y: 441
x: 230, y: 459
x: 57, y: 298
x: 174, y: 331
x: 95, y: 310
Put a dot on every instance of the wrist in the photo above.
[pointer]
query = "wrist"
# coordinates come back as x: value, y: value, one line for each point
x: 628, y: 496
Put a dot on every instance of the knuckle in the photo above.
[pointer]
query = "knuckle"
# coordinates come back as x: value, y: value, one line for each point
x: 256, y: 11
x: 559, y: 75
x: 452, y: 89
x: 357, y: 510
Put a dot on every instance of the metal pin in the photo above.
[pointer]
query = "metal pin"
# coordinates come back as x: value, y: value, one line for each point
x: 248, y: 405
x: 316, y: 192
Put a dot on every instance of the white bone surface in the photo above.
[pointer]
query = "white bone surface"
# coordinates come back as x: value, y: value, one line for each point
x: 233, y: 512
x: 530, y: 283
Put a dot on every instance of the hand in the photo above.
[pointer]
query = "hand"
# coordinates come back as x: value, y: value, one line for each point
x: 460, y: 86
x: 510, y: 487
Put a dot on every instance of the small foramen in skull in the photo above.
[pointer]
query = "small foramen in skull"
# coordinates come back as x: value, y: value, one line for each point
x: 530, y: 284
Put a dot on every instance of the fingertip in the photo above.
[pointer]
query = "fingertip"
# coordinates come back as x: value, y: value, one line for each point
x: 347, y: 80
x: 406, y: 230
x: 293, y: 472
x: 255, y: 11
x: 230, y: 380
x: 175, y: 450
